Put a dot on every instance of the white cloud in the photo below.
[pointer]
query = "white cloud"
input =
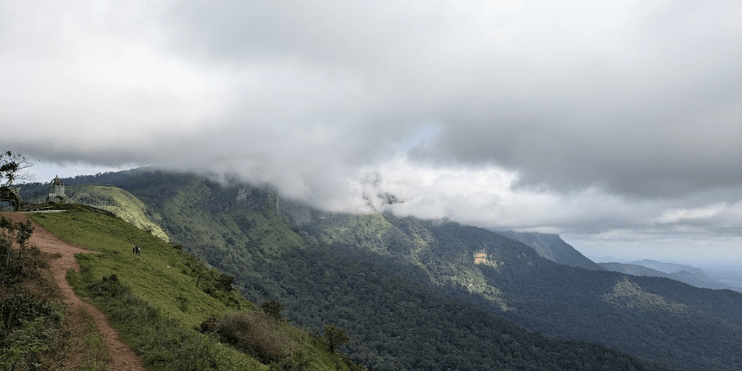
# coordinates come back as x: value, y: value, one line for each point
x: 678, y: 215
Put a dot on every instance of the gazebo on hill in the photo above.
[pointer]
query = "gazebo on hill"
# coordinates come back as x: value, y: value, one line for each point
x: 56, y: 191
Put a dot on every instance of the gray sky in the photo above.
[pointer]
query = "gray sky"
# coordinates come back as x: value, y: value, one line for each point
x: 617, y: 124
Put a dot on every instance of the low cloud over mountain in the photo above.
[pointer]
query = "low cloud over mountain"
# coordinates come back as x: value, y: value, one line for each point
x: 610, y: 122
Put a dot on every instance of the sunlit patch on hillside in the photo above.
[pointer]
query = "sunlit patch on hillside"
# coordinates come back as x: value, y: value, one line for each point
x: 484, y: 259
x: 120, y: 202
x: 629, y: 295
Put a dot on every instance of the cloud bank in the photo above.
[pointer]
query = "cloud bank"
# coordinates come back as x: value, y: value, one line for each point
x: 567, y: 117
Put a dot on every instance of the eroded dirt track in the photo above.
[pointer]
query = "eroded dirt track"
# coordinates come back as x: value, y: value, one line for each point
x: 122, y: 357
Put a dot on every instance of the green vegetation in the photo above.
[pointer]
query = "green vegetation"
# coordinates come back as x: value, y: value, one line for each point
x: 158, y: 299
x: 397, y: 324
x: 630, y: 295
x: 414, y: 294
x: 160, y: 275
x: 163, y: 343
x: 122, y: 203
x: 95, y: 353
x: 335, y: 337
x: 32, y: 332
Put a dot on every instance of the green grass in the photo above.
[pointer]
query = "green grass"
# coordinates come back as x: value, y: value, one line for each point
x: 96, y: 355
x: 159, y: 275
x: 160, y: 297
x: 162, y: 342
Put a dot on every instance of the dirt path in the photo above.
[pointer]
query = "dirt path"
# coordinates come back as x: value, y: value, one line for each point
x: 122, y: 357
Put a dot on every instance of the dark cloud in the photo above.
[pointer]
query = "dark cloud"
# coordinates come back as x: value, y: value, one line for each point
x: 647, y: 103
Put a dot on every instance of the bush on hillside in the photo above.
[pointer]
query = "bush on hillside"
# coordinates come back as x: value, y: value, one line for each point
x: 335, y: 337
x: 108, y: 287
x: 272, y: 308
x: 256, y: 334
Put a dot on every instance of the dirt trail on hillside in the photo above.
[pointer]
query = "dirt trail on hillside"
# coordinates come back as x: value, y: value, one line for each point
x: 122, y: 357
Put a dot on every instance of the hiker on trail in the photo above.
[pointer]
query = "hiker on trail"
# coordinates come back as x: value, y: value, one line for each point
x: 134, y: 249
x: 139, y: 249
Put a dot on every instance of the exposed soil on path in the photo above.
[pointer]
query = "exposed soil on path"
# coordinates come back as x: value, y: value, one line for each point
x: 122, y: 358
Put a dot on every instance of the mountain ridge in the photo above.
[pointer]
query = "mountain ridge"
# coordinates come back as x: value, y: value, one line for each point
x: 554, y: 248
x: 271, y: 246
x: 693, y: 276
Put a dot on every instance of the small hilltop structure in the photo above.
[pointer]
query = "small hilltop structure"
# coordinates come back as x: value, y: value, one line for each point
x: 56, y: 191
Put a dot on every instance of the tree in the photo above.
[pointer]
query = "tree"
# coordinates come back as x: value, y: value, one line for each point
x: 224, y: 282
x: 272, y: 308
x: 11, y: 232
x: 335, y: 337
x: 12, y: 166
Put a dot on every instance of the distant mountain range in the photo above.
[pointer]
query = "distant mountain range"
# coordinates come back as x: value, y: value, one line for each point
x: 552, y: 247
x: 633, y: 269
x: 421, y: 294
x: 684, y: 273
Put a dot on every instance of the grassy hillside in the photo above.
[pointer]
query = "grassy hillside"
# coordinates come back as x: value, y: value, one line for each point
x: 159, y: 298
x: 113, y: 199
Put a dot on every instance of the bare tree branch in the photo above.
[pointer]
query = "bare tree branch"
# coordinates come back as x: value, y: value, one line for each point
x: 12, y: 166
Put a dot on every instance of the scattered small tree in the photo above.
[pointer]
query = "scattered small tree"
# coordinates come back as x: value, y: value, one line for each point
x: 257, y: 335
x: 224, y: 282
x: 12, y: 166
x: 10, y: 233
x: 335, y: 337
x: 272, y: 308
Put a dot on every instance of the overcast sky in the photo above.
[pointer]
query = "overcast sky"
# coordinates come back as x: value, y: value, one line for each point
x: 615, y: 123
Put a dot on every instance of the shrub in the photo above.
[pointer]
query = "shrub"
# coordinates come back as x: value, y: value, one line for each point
x: 335, y: 337
x: 37, y: 336
x: 256, y: 334
x: 208, y: 326
x: 109, y: 287
x: 225, y: 282
x: 272, y: 308
x: 17, y: 309
x: 182, y: 303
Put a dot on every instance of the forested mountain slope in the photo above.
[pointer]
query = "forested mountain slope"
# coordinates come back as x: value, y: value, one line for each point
x: 661, y: 319
x: 418, y: 284
x: 552, y: 247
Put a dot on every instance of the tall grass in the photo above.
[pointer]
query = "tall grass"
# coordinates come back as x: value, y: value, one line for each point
x: 163, y: 343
